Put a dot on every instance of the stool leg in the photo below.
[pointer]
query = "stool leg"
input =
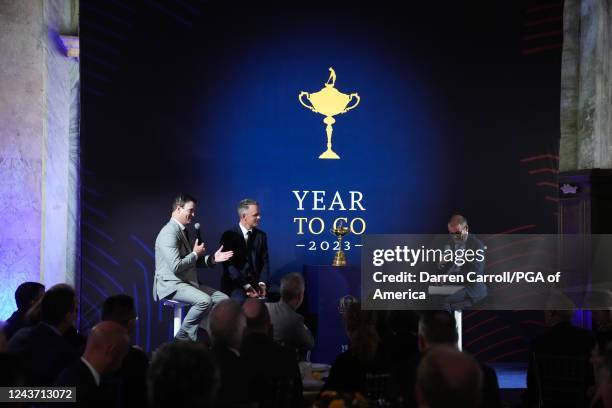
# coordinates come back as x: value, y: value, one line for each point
x: 178, y: 316
x: 458, y: 315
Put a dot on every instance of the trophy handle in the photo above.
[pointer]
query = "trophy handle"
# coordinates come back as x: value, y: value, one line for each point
x: 307, y: 97
x: 348, y: 108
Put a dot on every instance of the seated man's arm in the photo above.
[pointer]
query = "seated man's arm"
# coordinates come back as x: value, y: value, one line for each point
x: 205, y: 261
x: 264, y: 277
x: 302, y: 337
x: 236, y: 272
x: 168, y: 246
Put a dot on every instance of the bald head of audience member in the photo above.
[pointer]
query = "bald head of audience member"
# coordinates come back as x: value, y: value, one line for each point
x: 107, y: 345
x: 257, y: 317
x: 227, y: 324
x: 292, y: 289
x: 447, y: 377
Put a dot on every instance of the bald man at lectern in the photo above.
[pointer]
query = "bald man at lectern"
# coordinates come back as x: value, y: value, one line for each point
x: 176, y: 260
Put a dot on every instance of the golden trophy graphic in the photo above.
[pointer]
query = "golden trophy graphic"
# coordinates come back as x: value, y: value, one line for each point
x: 339, y: 230
x: 329, y: 102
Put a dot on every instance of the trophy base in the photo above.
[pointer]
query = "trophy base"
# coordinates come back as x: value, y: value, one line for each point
x: 339, y: 259
x: 329, y: 154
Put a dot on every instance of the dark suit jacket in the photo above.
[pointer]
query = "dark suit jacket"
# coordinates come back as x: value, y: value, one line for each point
x: 129, y: 383
x: 14, y: 323
x: 476, y: 291
x: 245, y: 267
x: 349, y: 374
x: 562, y: 339
x: 274, y: 370
x: 46, y: 353
x: 88, y: 393
x: 491, y: 397
x: 235, y: 378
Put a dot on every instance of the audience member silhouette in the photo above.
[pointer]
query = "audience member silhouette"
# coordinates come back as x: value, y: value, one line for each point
x: 561, y: 339
x: 603, y: 396
x: 446, y: 378
x: 107, y: 345
x: 598, y: 361
x: 274, y: 369
x: 26, y: 295
x: 600, y: 304
x: 227, y: 324
x: 351, y: 369
x: 182, y: 374
x: 43, y: 346
x: 289, y: 328
x: 130, y: 379
x: 439, y: 328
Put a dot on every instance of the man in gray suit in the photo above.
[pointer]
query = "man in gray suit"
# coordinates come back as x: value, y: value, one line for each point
x: 288, y: 325
x: 176, y: 276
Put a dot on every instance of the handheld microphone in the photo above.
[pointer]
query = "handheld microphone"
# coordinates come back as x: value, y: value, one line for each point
x: 441, y: 264
x: 197, y: 230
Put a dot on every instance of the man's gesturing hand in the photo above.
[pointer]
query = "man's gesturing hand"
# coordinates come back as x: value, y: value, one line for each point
x: 251, y: 292
x: 199, y: 249
x: 222, y: 256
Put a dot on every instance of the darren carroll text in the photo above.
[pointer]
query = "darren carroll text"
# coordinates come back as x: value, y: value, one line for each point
x: 469, y: 277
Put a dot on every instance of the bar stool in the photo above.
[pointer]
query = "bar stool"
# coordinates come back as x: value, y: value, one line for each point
x: 178, y: 313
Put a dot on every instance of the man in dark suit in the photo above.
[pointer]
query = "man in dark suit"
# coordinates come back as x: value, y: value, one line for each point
x: 227, y: 324
x: 274, y: 368
x: 44, y: 346
x: 462, y: 240
x: 26, y: 295
x: 247, y: 274
x: 438, y: 328
x: 561, y: 339
x: 107, y: 345
x: 130, y: 380
x: 182, y: 374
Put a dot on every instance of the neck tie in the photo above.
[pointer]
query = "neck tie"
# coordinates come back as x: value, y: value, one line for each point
x: 186, y: 234
x: 249, y: 239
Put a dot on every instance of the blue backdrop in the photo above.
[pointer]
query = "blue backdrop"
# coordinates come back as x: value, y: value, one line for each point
x: 448, y: 115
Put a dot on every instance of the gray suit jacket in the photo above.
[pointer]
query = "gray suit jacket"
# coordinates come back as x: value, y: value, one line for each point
x: 289, y: 328
x: 175, y: 262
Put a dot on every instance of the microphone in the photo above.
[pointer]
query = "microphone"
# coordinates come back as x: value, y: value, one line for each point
x: 197, y: 230
x: 441, y: 264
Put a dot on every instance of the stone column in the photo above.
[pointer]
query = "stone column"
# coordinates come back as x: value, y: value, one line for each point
x: 586, y: 86
x: 585, y: 178
x: 39, y: 89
